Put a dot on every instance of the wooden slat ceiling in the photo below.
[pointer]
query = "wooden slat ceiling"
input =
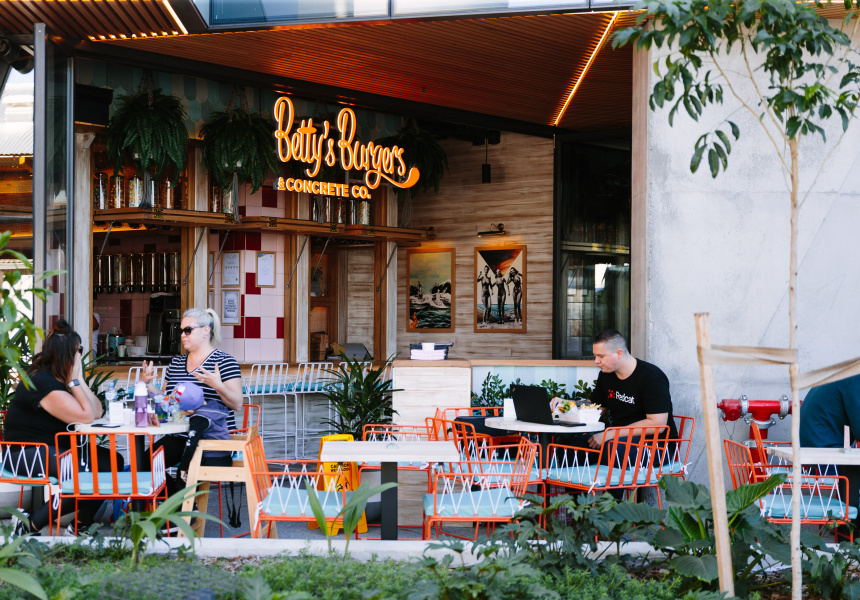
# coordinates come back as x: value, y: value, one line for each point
x: 515, y: 67
x: 80, y: 19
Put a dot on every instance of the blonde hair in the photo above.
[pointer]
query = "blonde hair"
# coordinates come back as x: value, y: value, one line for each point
x: 206, y: 318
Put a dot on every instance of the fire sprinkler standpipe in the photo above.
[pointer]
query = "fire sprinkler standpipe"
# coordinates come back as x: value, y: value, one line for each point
x: 760, y: 411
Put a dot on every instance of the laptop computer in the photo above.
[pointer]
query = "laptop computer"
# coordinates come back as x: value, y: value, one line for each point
x: 532, y: 405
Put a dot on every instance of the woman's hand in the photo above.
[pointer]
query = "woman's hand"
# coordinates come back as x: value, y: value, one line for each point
x: 210, y: 378
x: 77, y: 369
x: 148, y: 372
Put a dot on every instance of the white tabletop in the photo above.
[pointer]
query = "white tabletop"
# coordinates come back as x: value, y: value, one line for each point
x: 97, y: 426
x: 444, y: 451
x: 818, y: 456
x: 511, y: 425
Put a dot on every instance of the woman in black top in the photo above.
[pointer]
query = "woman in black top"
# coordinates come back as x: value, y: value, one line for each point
x: 59, y: 396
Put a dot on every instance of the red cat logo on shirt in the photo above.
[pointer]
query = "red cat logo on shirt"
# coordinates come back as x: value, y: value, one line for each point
x: 622, y: 397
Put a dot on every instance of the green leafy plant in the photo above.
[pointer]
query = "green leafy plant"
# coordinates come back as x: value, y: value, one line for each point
x: 555, y: 389
x: 582, y: 390
x: 148, y: 130
x: 239, y: 142
x: 359, y: 395
x: 145, y: 528
x: 13, y: 551
x: 351, y: 511
x: 93, y: 378
x: 422, y: 151
x: 493, y: 392
x: 17, y: 330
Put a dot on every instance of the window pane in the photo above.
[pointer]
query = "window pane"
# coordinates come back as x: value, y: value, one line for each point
x: 593, y: 248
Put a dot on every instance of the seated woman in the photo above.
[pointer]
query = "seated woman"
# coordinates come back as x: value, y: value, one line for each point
x: 59, y: 396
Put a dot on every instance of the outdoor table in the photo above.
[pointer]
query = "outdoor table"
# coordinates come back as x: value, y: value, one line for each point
x: 818, y: 456
x: 541, y: 429
x: 388, y: 454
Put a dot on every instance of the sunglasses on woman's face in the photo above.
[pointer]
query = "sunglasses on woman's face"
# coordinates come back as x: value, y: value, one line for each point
x: 80, y: 349
x: 188, y: 330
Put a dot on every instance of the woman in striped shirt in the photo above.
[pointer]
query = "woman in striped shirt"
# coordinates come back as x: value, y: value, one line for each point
x: 216, y: 372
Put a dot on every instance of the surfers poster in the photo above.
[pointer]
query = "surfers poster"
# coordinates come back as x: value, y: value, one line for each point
x: 500, y: 289
x: 430, y: 277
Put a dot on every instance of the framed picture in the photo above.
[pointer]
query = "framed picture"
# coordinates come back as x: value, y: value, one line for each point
x: 266, y: 269
x: 230, y: 308
x: 500, y: 289
x: 210, y: 271
x: 430, y: 290
x: 231, y: 269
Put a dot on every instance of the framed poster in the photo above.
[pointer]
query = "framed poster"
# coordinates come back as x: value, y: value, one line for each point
x: 210, y: 271
x: 266, y: 269
x: 500, y: 289
x: 230, y: 307
x: 231, y: 269
x: 430, y: 290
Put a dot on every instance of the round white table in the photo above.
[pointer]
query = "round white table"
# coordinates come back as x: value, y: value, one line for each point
x: 541, y: 429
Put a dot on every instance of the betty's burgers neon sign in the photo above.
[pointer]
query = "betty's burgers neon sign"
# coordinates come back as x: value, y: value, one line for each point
x: 314, y: 144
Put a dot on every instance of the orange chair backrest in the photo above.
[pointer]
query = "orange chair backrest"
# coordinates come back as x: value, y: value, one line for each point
x: 85, y: 445
x: 255, y: 454
x: 740, y: 463
x: 634, y: 453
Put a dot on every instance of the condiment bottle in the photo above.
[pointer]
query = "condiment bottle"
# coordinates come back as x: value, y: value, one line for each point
x: 140, y: 398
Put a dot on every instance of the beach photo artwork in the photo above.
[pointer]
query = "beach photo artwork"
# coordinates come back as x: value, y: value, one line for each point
x: 500, y: 289
x: 430, y: 278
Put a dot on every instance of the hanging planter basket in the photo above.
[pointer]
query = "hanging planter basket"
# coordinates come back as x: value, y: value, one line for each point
x: 148, y: 131
x: 240, y: 144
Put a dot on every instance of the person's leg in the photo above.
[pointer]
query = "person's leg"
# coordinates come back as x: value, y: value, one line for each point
x: 173, y: 446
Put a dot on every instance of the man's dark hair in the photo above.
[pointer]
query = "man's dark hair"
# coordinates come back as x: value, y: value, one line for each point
x: 612, y: 339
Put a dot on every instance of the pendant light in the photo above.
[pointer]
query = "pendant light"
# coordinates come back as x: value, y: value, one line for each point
x: 485, y: 168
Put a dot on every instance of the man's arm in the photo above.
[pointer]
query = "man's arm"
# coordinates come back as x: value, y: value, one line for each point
x: 649, y: 422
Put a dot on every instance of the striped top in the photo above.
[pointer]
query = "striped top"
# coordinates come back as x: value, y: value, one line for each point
x: 228, y: 368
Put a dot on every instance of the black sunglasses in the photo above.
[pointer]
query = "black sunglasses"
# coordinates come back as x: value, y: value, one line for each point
x: 80, y: 349
x: 188, y: 330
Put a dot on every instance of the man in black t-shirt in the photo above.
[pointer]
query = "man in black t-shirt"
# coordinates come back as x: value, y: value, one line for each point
x: 632, y: 392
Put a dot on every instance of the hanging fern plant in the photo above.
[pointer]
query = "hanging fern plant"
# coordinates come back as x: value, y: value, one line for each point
x: 422, y: 151
x: 148, y: 130
x: 239, y: 142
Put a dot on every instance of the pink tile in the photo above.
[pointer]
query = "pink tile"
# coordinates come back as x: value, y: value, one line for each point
x: 238, y: 351
x: 273, y: 349
x: 271, y: 306
x: 268, y: 328
x: 269, y: 242
x: 280, y: 280
x: 226, y: 346
x: 254, y: 211
x: 250, y: 261
x: 271, y: 212
x: 280, y: 261
x: 227, y: 332
x: 253, y: 305
x: 253, y: 352
x: 254, y: 199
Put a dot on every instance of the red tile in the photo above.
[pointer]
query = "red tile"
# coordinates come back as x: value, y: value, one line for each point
x: 280, y: 326
x: 252, y: 328
x: 242, y: 211
x: 270, y: 197
x: 250, y: 284
x: 253, y: 241
x: 238, y: 332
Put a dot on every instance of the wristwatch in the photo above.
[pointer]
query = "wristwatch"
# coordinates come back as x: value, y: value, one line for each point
x: 73, y: 383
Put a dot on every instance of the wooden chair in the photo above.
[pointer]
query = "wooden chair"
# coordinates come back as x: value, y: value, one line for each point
x: 821, y: 502
x: 25, y: 464
x: 488, y: 489
x: 202, y: 476
x: 145, y: 479
x: 268, y: 379
x: 628, y: 461
x: 280, y: 494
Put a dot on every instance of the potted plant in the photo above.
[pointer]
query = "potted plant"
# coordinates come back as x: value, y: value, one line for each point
x: 237, y: 146
x: 359, y: 396
x: 147, y: 131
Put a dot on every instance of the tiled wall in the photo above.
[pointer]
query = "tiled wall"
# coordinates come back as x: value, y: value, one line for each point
x: 259, y: 337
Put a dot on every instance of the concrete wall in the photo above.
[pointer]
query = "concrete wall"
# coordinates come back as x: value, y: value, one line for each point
x: 722, y: 246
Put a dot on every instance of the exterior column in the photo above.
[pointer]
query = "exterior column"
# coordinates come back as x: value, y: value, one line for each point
x: 639, y: 203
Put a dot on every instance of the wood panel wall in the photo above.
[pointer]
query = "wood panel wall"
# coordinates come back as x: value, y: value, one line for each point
x: 360, y: 294
x: 521, y: 197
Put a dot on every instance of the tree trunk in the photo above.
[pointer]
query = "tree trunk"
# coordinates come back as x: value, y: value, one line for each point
x: 796, y: 575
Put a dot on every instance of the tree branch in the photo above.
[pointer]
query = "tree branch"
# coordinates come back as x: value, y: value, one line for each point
x: 749, y: 108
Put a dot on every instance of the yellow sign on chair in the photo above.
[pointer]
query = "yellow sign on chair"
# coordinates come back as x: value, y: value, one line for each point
x: 350, y: 475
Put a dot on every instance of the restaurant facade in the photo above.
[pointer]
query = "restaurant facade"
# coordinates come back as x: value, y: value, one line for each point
x: 562, y: 189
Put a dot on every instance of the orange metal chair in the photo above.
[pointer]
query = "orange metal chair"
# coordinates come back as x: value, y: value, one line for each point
x: 628, y: 461
x: 677, y: 450
x: 821, y: 500
x: 81, y: 479
x: 25, y: 464
x: 487, y: 489
x: 398, y: 433
x: 280, y: 494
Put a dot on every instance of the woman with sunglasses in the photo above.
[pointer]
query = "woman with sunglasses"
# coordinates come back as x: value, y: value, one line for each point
x: 59, y: 396
x: 215, y: 371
